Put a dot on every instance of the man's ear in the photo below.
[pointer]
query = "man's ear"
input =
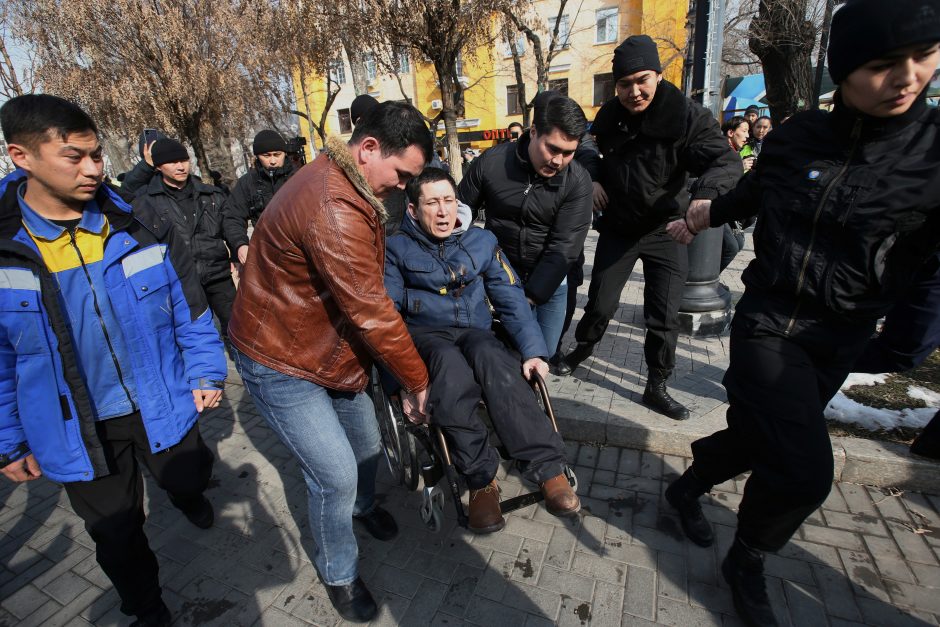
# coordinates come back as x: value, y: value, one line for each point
x: 411, y: 210
x: 20, y: 156
x: 367, y: 150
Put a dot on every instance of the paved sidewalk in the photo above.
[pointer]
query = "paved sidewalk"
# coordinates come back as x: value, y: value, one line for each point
x: 867, y: 557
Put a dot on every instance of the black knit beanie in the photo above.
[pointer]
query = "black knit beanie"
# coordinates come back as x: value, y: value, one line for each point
x: 864, y: 30
x: 268, y: 141
x: 168, y: 151
x: 635, y: 54
x: 360, y: 106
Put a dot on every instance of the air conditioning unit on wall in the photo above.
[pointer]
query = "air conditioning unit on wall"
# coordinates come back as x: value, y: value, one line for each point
x: 437, y: 105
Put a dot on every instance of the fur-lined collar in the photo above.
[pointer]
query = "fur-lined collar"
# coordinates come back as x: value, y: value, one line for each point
x: 338, y: 152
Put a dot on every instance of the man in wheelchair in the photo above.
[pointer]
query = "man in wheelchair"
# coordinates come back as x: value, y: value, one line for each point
x: 443, y: 274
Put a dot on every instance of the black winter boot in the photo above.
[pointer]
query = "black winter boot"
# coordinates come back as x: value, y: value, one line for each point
x: 683, y: 494
x: 928, y: 442
x: 573, y: 359
x: 743, y: 569
x: 656, y: 396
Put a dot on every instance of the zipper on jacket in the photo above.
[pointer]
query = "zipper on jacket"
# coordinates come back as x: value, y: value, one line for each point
x: 856, y: 133
x: 104, y: 329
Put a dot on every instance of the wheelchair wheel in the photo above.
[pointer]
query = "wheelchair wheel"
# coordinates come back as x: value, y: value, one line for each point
x: 398, y: 445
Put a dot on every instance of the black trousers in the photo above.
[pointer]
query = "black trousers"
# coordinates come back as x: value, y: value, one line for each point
x: 113, y: 506
x: 465, y: 365
x: 221, y: 295
x: 665, y: 267
x: 778, y: 388
x: 732, y: 242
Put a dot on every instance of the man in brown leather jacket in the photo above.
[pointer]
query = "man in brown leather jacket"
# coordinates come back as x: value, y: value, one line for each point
x: 310, y: 316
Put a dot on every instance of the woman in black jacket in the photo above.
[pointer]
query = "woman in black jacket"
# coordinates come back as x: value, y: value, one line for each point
x: 849, y: 212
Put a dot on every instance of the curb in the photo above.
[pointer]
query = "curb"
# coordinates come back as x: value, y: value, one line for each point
x: 857, y: 460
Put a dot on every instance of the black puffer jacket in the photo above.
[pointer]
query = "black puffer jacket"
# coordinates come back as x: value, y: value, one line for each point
x: 849, y: 212
x: 647, y: 159
x: 200, y: 229
x: 540, y: 223
x: 252, y: 193
x: 137, y: 177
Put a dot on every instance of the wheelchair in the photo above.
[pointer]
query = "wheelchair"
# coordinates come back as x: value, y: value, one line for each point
x: 419, y: 455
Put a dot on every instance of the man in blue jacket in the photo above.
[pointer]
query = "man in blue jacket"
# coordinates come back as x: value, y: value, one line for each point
x: 439, y: 274
x: 107, y: 349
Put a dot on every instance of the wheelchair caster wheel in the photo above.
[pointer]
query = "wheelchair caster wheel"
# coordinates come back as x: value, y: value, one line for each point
x: 432, y: 510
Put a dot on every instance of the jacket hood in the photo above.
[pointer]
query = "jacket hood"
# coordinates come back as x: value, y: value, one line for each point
x: 666, y: 115
x: 155, y: 186
x: 464, y: 222
x: 338, y: 152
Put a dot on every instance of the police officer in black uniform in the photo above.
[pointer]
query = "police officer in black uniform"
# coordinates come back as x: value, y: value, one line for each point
x: 849, y: 206
x: 651, y: 137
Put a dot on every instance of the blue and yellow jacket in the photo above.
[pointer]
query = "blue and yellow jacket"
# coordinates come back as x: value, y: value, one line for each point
x: 452, y: 282
x: 49, y: 401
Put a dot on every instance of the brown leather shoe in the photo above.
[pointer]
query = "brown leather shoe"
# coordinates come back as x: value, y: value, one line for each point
x: 485, y: 515
x: 560, y: 498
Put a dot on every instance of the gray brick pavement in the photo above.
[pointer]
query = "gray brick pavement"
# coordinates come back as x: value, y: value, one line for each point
x: 868, y: 556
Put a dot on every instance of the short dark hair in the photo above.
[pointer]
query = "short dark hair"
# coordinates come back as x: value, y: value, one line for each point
x: 511, y: 124
x: 28, y: 120
x: 733, y: 124
x: 764, y: 117
x: 397, y: 126
x: 562, y: 113
x: 428, y: 175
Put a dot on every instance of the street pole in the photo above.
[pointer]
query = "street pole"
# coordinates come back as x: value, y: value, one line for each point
x: 705, y: 308
x: 823, y: 48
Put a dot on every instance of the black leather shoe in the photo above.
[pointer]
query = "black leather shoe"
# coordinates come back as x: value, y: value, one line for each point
x: 657, y: 397
x: 199, y: 513
x: 159, y: 617
x: 743, y: 569
x: 683, y: 495
x: 572, y: 360
x: 353, y: 602
x: 557, y: 365
x: 928, y: 442
x: 379, y: 523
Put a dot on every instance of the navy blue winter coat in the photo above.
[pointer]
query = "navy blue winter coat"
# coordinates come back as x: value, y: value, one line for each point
x: 446, y: 283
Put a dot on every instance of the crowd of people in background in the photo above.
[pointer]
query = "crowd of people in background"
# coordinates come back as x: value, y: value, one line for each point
x: 372, y: 253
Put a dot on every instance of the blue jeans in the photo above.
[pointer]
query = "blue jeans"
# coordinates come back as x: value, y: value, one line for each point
x: 335, y: 437
x: 551, y: 316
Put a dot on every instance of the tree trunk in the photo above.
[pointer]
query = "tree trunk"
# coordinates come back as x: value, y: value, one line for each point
x: 311, y: 127
x: 450, y: 124
x: 520, y: 83
x: 783, y: 39
x: 219, y: 151
x: 357, y: 68
x: 193, y: 132
x: 119, y: 152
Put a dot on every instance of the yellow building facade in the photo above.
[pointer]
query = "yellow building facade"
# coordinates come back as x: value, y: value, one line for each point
x: 588, y: 34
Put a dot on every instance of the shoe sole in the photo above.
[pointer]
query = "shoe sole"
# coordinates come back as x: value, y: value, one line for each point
x: 563, y: 513
x: 659, y: 410
x: 491, y: 529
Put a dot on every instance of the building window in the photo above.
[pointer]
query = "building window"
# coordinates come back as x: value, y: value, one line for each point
x: 368, y: 60
x: 345, y: 121
x: 563, y: 34
x: 520, y: 46
x: 560, y: 85
x: 514, y: 107
x: 603, y: 88
x: 606, y: 22
x: 404, y: 63
x: 337, y: 72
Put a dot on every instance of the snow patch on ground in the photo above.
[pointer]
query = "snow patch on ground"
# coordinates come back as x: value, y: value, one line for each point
x: 843, y: 409
x: 863, y: 378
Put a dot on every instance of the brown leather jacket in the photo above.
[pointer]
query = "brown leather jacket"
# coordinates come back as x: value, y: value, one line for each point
x: 311, y: 302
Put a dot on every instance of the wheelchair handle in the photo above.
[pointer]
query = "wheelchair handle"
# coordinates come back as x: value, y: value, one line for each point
x: 539, y: 385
